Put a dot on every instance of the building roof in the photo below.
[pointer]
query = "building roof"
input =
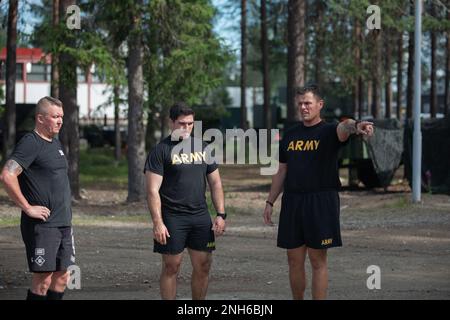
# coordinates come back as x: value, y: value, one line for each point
x: 33, y: 55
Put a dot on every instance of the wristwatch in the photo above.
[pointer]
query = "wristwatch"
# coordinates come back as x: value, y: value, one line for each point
x: 222, y: 215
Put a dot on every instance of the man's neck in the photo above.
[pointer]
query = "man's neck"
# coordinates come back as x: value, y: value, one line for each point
x: 43, y: 135
x: 312, y: 122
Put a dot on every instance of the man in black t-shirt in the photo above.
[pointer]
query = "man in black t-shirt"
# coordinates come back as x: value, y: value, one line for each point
x: 308, y: 173
x: 35, y: 178
x: 176, y: 173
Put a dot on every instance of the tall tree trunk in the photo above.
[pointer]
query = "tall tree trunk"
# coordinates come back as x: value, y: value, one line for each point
x: 399, y: 74
x: 355, y: 106
x: 9, y: 136
x: 117, y: 137
x: 377, y: 83
x: 318, y: 59
x: 369, y: 96
x: 265, y: 67
x: 447, y: 74
x: 357, y: 95
x: 360, y: 78
x: 433, y: 90
x: 360, y: 97
x: 136, y: 132
x: 152, y: 126
x: 164, y: 118
x: 153, y: 121
x: 243, y: 64
x: 410, y: 85
x: 357, y: 87
x: 296, y: 54
x: 388, y: 82
x: 54, y: 86
x: 70, y: 135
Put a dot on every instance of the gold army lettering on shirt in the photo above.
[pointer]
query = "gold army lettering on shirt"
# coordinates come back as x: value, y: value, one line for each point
x: 303, y: 145
x: 188, y: 158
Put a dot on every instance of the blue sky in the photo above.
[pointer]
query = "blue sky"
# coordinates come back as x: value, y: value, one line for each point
x: 227, y: 25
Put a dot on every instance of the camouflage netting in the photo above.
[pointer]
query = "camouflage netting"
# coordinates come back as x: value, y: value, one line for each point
x: 385, y: 149
x: 435, y: 154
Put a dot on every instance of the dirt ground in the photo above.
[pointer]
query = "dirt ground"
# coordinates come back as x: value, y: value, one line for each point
x: 409, y: 242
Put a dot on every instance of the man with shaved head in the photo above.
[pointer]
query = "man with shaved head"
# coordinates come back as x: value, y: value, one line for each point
x: 36, y: 179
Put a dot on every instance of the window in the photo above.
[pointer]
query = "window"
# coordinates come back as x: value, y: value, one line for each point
x: 81, y: 75
x: 19, y: 68
x: 97, y: 77
x: 39, y: 72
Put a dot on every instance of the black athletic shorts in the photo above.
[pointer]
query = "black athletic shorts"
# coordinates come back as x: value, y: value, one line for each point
x: 193, y: 231
x: 310, y: 219
x: 48, y: 249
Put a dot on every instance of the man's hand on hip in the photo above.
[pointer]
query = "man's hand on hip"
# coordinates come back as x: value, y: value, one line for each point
x: 38, y: 212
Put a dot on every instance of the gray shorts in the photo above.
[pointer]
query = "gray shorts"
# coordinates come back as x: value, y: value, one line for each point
x: 48, y: 249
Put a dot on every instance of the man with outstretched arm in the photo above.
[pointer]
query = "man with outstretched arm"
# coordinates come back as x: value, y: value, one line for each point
x: 309, y: 179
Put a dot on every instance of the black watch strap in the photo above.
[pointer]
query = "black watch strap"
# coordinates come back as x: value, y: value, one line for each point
x: 222, y: 215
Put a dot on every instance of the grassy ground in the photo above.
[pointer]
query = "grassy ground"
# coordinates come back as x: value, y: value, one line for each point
x: 98, y: 166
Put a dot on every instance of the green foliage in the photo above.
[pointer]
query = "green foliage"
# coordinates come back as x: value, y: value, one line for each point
x: 185, y: 60
x: 277, y: 16
x: 87, y: 46
x: 335, y: 33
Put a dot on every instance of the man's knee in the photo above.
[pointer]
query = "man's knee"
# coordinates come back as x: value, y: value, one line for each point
x: 294, y: 262
x: 203, y: 266
x: 318, y: 259
x: 171, y: 268
x: 296, y: 259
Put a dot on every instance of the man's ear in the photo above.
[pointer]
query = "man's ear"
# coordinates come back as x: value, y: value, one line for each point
x: 40, y: 118
x: 321, y: 104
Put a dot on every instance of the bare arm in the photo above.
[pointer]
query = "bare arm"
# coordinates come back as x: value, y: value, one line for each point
x: 9, y: 178
x: 218, y: 199
x: 154, y: 182
x: 349, y: 126
x: 215, y: 185
x: 275, y: 190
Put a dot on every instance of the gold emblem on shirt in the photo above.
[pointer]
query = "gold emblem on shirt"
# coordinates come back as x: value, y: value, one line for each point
x: 303, y: 145
x: 188, y: 158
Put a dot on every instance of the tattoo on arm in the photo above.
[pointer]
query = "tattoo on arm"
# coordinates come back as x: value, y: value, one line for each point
x: 349, y: 127
x: 13, y: 167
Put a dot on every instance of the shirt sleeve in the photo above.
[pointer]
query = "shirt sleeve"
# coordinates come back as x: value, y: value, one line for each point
x: 26, y: 151
x: 155, y: 161
x: 210, y: 167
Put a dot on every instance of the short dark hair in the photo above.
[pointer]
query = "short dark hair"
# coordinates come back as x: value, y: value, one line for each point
x: 180, y: 109
x: 313, y: 88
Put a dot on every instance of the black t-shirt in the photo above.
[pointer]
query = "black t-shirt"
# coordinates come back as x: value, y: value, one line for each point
x: 311, y: 157
x: 184, y: 171
x: 44, y: 180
